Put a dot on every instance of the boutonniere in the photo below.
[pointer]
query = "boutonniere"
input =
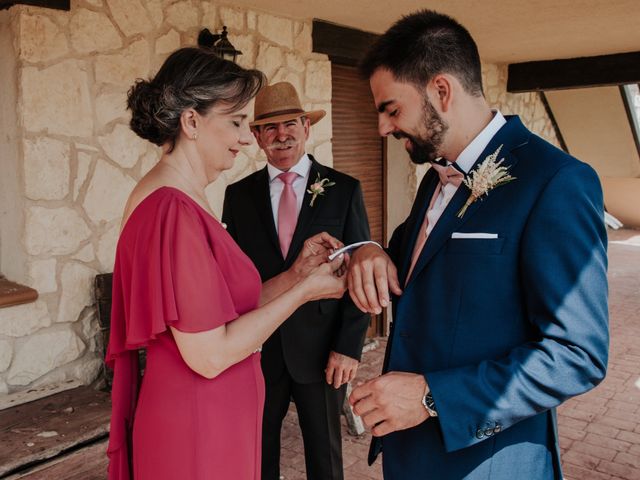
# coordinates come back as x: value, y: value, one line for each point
x: 489, y: 175
x: 318, y: 188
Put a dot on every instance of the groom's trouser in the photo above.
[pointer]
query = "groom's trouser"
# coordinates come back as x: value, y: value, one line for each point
x: 318, y: 406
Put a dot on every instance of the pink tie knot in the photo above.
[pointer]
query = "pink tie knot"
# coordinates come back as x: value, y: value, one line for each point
x: 288, y: 177
x: 448, y: 174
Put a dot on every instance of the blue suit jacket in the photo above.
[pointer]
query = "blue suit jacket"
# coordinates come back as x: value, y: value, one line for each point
x: 505, y: 329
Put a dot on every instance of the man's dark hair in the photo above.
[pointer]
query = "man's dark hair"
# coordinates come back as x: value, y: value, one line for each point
x: 422, y: 45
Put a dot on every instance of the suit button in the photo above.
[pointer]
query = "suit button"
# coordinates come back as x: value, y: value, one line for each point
x: 497, y: 429
x: 488, y: 432
x: 479, y: 433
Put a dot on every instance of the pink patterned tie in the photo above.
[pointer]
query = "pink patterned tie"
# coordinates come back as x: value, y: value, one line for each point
x: 287, y: 212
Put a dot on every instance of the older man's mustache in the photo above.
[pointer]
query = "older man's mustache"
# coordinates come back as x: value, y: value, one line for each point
x: 285, y: 144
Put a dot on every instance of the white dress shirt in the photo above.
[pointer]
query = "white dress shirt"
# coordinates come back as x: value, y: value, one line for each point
x: 465, y: 161
x: 276, y: 186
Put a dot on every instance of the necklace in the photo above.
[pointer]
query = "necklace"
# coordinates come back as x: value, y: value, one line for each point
x: 202, y: 199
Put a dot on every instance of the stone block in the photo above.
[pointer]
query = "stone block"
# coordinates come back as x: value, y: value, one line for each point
x: 57, y: 99
x: 41, y: 39
x: 303, y: 43
x: 42, y: 353
x: 124, y: 67
x: 233, y: 18
x: 86, y: 254
x: 131, y: 16
x: 93, y: 32
x: 87, y: 370
x: 42, y: 274
x: 22, y: 320
x: 246, y: 44
x: 55, y: 231
x: 84, y: 164
x: 107, y: 193
x: 6, y: 354
x: 295, y: 62
x: 76, y: 284
x: 168, y: 42
x: 277, y: 29
x: 123, y: 146
x: 46, y: 168
x: 154, y: 7
x: 318, y: 80
x: 106, y: 251
x: 209, y: 16
x: 252, y: 20
x: 183, y: 15
x: 110, y: 107
x: 270, y: 59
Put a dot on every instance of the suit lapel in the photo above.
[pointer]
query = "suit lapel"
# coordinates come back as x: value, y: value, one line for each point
x: 262, y: 199
x: 511, y: 136
x: 307, y: 212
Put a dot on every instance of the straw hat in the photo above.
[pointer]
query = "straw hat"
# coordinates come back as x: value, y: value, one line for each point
x: 278, y: 103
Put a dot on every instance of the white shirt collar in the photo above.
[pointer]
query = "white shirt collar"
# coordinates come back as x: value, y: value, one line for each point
x: 301, y: 168
x: 470, y: 154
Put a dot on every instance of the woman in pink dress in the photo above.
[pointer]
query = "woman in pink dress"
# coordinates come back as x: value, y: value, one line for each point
x: 184, y: 290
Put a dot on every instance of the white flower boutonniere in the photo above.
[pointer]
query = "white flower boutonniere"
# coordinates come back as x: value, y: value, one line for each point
x: 489, y: 175
x: 318, y: 188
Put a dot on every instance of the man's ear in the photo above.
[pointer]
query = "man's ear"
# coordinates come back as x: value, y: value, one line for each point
x: 441, y: 87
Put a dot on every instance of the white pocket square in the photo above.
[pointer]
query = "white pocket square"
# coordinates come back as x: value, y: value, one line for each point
x: 473, y: 235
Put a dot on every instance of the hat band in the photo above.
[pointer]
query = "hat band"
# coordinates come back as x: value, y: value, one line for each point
x: 278, y: 113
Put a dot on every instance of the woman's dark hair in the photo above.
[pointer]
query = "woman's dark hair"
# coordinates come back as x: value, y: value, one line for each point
x: 189, y: 78
x: 421, y: 45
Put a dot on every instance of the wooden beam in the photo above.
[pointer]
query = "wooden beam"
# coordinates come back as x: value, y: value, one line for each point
x: 344, y: 45
x: 55, y: 4
x: 582, y: 72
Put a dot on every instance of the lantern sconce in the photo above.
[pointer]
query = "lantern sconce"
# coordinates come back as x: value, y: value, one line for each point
x: 218, y: 43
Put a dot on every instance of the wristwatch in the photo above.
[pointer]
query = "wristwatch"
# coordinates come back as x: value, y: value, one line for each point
x: 428, y: 403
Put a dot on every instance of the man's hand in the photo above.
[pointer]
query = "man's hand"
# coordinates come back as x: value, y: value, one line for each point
x: 340, y: 369
x: 390, y: 402
x: 315, y: 252
x: 370, y: 277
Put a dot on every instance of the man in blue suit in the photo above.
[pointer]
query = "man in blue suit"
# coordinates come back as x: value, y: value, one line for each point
x: 499, y: 308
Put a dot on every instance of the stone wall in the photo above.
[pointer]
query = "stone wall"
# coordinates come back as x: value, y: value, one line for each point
x: 67, y: 142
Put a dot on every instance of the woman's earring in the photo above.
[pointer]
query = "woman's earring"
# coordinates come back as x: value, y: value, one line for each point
x: 195, y: 135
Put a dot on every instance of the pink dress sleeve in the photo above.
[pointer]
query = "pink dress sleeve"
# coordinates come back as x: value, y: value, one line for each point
x: 165, y: 275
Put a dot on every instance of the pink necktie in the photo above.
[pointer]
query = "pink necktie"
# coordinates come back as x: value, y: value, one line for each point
x: 287, y: 212
x: 422, y: 234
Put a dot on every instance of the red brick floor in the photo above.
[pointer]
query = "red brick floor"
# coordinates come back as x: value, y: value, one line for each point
x: 599, y: 431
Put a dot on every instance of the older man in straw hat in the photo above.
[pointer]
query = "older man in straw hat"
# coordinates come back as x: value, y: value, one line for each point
x: 270, y: 213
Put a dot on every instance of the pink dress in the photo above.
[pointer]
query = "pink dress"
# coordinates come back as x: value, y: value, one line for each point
x: 176, y: 266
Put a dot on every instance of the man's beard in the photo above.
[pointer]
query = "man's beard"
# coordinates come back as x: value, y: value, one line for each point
x: 426, y: 148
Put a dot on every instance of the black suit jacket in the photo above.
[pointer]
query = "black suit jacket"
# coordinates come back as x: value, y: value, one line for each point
x: 317, y: 327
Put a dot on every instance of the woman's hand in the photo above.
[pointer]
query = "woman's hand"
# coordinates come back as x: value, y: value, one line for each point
x: 315, y: 251
x: 326, y: 280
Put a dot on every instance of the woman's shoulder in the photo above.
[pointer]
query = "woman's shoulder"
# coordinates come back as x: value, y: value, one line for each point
x: 149, y: 206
